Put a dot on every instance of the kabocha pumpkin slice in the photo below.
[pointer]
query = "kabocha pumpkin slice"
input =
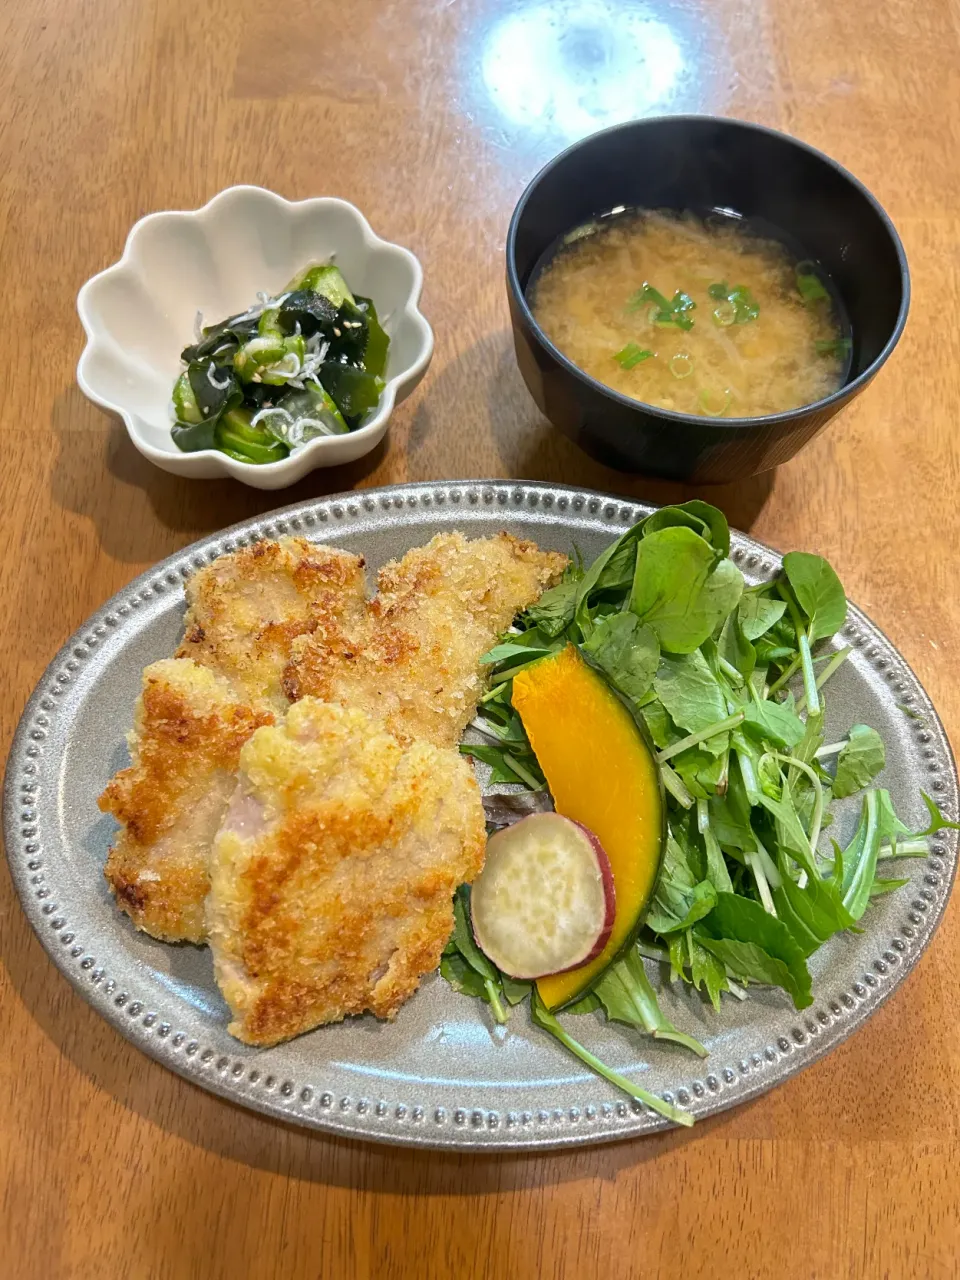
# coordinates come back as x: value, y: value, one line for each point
x: 601, y: 773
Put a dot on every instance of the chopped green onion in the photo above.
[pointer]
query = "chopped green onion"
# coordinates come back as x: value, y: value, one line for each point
x: 632, y: 355
x: 833, y: 346
x: 743, y: 300
x: 663, y: 312
x: 737, y: 303
x: 647, y: 294
x: 581, y: 233
x: 681, y: 304
x: 713, y: 412
x: 809, y: 283
x: 681, y: 366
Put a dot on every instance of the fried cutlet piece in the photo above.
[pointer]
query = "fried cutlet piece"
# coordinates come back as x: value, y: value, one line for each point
x: 197, y: 710
x: 185, y: 746
x: 413, y: 661
x: 332, y: 876
x: 246, y: 608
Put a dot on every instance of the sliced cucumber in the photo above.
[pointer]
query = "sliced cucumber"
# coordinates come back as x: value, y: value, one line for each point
x: 325, y: 279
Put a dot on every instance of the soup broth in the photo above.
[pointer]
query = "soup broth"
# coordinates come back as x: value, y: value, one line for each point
x: 692, y: 316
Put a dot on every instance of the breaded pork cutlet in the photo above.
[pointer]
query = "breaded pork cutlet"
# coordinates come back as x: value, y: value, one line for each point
x: 246, y: 609
x: 185, y: 747
x: 278, y: 620
x: 413, y: 661
x: 333, y: 873
x: 197, y: 710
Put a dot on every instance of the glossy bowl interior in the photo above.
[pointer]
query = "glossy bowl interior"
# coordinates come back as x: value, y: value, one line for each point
x: 702, y: 163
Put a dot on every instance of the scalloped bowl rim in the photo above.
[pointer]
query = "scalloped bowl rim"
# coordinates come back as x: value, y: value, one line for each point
x: 373, y: 429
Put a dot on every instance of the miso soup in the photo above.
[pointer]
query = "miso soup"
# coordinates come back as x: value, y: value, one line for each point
x: 698, y: 316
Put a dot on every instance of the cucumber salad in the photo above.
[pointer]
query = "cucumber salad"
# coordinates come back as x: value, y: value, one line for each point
x: 665, y: 722
x: 306, y: 363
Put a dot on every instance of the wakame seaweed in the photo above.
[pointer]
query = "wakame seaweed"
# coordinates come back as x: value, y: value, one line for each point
x: 306, y: 363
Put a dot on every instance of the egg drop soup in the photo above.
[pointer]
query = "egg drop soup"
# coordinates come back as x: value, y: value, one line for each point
x: 693, y: 316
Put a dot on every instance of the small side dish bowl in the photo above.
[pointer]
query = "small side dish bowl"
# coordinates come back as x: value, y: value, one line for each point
x: 704, y: 164
x: 139, y: 313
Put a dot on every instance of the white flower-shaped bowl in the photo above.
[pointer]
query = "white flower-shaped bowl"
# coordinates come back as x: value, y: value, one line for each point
x: 139, y: 314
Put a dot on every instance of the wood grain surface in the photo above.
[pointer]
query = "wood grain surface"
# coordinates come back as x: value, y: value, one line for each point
x: 431, y: 115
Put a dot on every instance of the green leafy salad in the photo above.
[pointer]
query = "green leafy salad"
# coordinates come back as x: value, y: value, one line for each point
x: 727, y: 684
x: 306, y: 363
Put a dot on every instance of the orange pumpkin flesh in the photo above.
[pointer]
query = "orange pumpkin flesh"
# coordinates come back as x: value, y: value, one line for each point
x: 602, y: 774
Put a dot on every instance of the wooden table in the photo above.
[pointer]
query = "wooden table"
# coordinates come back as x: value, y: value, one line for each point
x: 431, y: 116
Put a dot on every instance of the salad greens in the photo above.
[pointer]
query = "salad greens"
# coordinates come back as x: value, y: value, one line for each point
x: 306, y: 363
x: 747, y: 892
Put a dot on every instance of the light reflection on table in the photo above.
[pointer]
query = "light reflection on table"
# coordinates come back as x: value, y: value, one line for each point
x: 565, y: 68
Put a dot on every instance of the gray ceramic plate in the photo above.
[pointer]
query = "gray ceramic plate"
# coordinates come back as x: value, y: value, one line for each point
x: 439, y: 1075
